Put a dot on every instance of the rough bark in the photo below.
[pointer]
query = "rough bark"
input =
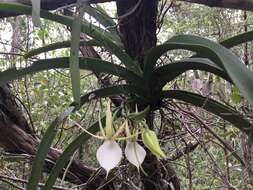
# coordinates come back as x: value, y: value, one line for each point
x: 17, y: 137
x: 8, y: 106
x: 45, y: 4
x: 161, y: 174
x: 52, y: 4
x: 137, y: 26
x: 247, y: 149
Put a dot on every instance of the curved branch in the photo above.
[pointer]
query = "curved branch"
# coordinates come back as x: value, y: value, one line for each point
x: 232, y: 4
x: 45, y: 4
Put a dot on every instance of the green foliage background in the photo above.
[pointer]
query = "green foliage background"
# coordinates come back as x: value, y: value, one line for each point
x: 48, y: 93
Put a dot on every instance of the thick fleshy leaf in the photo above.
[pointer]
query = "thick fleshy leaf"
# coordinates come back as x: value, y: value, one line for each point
x: 109, y: 155
x: 92, y: 64
x: 225, y: 112
x: 238, y: 39
x: 237, y: 71
x: 58, y: 45
x: 104, y: 19
x: 36, y: 12
x: 135, y: 153
x: 43, y: 149
x: 112, y: 91
x: 241, y: 76
x: 74, y: 56
x: 171, y: 71
x: 93, y: 31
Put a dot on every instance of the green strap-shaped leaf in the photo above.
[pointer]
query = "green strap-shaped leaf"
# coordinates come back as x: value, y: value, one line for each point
x: 44, y: 146
x: 223, y: 111
x: 238, y: 39
x: 74, y: 55
x: 224, y: 58
x: 93, y: 31
x: 104, y: 19
x: 172, y: 70
x: 92, y: 64
x: 113, y: 91
x: 36, y: 12
x: 66, y: 155
x: 58, y: 45
x: 83, y: 137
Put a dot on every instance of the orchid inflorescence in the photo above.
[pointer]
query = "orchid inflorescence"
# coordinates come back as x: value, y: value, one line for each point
x: 109, y: 154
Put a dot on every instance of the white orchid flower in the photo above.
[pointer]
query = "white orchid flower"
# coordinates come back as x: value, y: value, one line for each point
x: 135, y: 153
x: 109, y: 155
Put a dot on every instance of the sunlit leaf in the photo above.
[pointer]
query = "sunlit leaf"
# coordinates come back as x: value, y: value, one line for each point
x: 236, y: 96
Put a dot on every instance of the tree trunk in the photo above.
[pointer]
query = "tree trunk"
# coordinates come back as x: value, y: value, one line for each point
x: 247, y: 149
x: 137, y: 27
x: 17, y: 137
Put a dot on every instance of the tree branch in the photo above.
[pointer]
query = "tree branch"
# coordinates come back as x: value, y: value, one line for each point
x: 232, y: 4
x: 16, y: 137
x: 46, y: 4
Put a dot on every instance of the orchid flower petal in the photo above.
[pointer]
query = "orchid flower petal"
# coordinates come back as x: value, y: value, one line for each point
x: 135, y: 153
x: 109, y: 155
x: 109, y: 131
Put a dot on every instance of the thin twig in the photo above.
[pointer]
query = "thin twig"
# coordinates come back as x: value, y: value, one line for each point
x: 25, y: 181
x: 67, y: 168
x: 12, y: 184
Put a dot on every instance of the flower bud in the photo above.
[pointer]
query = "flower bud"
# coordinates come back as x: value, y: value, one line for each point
x: 151, y: 142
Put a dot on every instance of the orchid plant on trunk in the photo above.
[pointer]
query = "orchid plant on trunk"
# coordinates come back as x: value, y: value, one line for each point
x: 144, y: 81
